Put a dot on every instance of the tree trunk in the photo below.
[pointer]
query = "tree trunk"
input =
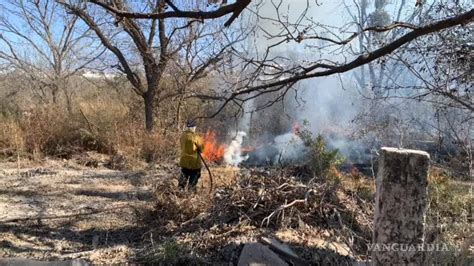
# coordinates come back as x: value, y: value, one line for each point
x: 400, y: 207
x: 153, y: 77
x: 148, y: 100
x: 54, y: 93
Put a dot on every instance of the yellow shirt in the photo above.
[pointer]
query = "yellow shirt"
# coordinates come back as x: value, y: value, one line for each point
x: 190, y: 142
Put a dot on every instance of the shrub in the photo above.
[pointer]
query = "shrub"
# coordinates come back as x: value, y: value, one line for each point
x: 51, y: 131
x: 322, y: 161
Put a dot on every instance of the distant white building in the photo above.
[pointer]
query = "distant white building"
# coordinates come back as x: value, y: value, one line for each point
x: 99, y: 75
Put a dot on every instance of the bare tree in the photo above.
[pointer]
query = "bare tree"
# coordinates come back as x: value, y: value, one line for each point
x: 158, y: 43
x: 283, y: 77
x: 420, y: 94
x: 304, y: 29
x: 45, y: 45
x: 440, y: 74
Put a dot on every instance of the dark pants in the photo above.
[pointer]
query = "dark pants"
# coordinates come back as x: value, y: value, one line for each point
x: 189, y: 178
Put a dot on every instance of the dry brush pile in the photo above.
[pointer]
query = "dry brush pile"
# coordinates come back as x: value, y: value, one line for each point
x: 260, y: 202
x: 274, y: 199
x: 256, y: 202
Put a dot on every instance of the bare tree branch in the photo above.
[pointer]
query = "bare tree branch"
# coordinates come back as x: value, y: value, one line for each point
x: 131, y: 76
x: 235, y: 9
x: 461, y: 19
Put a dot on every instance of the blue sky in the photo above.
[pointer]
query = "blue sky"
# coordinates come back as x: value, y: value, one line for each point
x: 329, y: 12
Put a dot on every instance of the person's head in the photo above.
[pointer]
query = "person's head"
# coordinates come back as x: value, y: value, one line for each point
x: 191, y: 125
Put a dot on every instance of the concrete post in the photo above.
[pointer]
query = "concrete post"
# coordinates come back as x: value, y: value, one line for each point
x: 400, y: 207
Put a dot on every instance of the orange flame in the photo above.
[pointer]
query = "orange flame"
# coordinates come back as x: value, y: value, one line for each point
x: 213, y: 151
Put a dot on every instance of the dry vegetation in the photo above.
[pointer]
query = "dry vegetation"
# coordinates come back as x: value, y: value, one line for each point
x: 137, y: 213
x: 109, y: 216
x: 82, y: 175
x: 101, y: 124
x: 97, y: 126
x: 325, y: 221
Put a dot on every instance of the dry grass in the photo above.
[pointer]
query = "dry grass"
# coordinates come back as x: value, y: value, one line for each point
x: 12, y: 141
x: 104, y: 127
x: 334, y: 215
x: 449, y: 218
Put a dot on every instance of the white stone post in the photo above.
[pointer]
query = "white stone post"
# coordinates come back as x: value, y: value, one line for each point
x: 400, y: 207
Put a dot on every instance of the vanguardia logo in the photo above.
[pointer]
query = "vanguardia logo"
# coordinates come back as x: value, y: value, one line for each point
x: 439, y: 247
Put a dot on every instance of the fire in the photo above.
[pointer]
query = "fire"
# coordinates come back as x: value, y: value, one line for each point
x: 213, y: 151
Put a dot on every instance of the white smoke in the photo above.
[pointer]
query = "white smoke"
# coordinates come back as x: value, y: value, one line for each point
x: 246, y: 119
x: 285, y: 149
x: 290, y: 147
x: 233, y: 153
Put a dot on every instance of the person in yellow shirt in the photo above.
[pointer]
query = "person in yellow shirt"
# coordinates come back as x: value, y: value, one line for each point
x: 190, y: 161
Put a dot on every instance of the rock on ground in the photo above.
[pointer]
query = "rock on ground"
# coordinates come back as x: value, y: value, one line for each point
x: 257, y: 254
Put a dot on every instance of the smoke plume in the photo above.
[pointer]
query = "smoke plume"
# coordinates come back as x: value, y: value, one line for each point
x: 233, y: 153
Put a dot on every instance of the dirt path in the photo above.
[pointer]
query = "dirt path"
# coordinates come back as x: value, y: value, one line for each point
x: 80, y: 209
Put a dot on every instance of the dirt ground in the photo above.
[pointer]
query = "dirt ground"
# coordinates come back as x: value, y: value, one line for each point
x: 84, y: 211
x: 58, y: 210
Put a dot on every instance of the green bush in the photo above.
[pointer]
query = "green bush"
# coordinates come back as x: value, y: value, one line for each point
x: 321, y: 160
